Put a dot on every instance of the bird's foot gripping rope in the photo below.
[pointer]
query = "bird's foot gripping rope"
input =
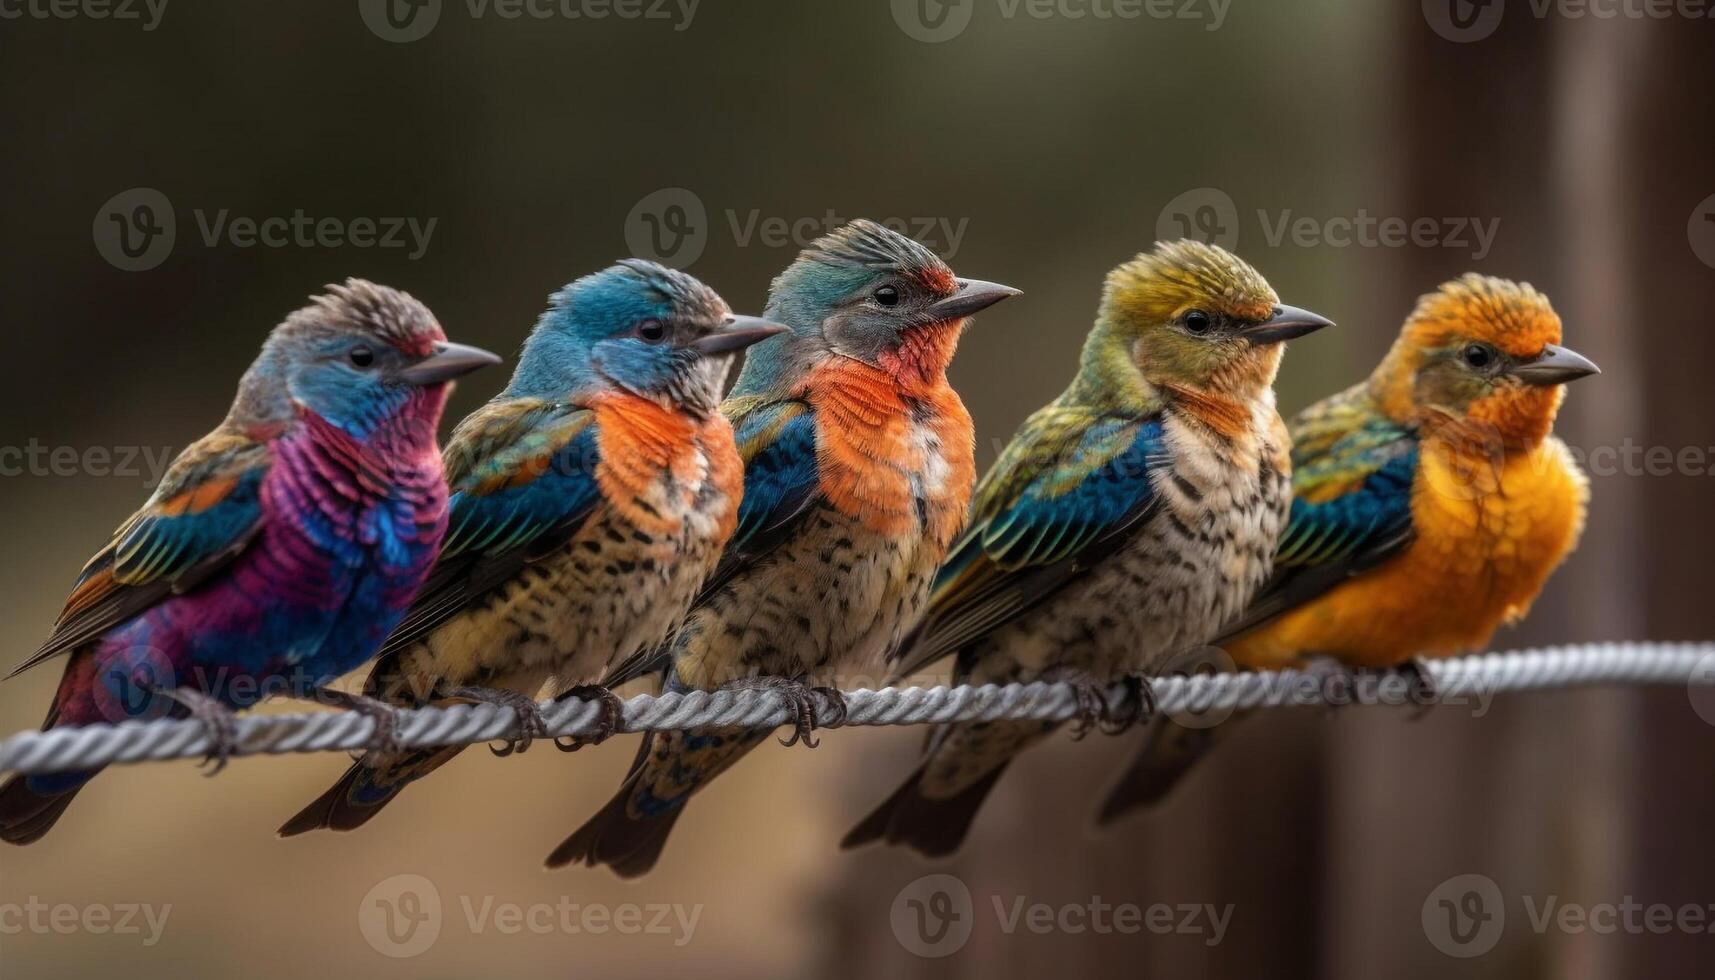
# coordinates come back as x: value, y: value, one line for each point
x: 1456, y: 680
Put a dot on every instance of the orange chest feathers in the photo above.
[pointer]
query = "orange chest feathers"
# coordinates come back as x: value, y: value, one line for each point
x: 661, y: 469
x: 896, y: 457
x: 1487, y: 538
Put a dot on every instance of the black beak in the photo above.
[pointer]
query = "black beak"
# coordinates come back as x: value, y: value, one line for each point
x: 739, y: 332
x: 1288, y: 322
x: 1556, y: 365
x: 973, y: 297
x: 449, y: 361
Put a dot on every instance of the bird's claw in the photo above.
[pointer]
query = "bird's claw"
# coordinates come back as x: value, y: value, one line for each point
x: 1091, y: 699
x: 531, y: 724
x: 837, y: 707
x: 217, y: 720
x: 1136, y: 707
x: 800, y: 703
x: 385, y: 739
x: 612, y: 717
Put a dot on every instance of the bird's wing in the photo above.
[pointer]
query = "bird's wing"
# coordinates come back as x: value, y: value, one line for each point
x: 777, y: 441
x: 205, y: 512
x: 1069, y: 490
x: 522, y: 475
x: 1352, y: 476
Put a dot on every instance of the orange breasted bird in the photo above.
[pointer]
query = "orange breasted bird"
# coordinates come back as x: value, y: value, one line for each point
x: 858, y: 471
x: 1432, y: 503
x: 590, y: 499
x: 1126, y: 521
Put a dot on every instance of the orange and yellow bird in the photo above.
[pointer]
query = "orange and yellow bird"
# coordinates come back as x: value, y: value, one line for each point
x: 1431, y: 503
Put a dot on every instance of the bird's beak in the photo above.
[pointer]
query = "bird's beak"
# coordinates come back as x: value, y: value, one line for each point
x: 1556, y: 365
x: 973, y: 296
x: 738, y: 333
x: 1288, y: 322
x: 449, y: 361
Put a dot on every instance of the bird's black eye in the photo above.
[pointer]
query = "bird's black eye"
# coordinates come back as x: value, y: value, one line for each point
x: 887, y: 296
x: 1197, y: 321
x: 1478, y: 355
x: 651, y: 331
x: 361, y: 356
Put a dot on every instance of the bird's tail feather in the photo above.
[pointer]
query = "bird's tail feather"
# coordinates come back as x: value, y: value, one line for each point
x: 31, y: 805
x: 364, y: 790
x: 629, y: 833
x: 1169, y: 751
x: 933, y: 827
x: 931, y: 817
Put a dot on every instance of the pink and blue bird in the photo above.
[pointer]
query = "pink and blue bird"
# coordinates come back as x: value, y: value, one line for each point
x: 279, y: 550
x: 857, y: 472
x: 591, y: 498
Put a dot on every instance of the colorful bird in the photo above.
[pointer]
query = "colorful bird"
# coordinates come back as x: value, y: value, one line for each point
x: 590, y: 500
x: 1432, y: 503
x: 858, y: 469
x: 1124, y: 523
x: 279, y: 550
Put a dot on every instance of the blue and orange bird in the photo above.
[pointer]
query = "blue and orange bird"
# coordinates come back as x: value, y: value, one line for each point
x: 1432, y: 502
x: 858, y: 470
x: 590, y: 500
x: 1124, y: 523
x: 279, y: 550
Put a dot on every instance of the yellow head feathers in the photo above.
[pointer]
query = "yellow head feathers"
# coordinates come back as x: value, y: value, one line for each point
x: 1176, y: 277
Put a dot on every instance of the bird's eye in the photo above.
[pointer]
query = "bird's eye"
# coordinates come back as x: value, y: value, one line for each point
x: 1478, y: 355
x: 1198, y: 322
x: 887, y: 296
x: 651, y: 331
x: 361, y: 356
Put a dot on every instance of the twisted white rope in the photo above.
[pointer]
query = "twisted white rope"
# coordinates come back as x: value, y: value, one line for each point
x: 1202, y: 695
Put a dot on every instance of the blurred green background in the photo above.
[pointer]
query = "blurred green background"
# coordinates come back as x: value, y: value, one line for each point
x: 1055, y: 146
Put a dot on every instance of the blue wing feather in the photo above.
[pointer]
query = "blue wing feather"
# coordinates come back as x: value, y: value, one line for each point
x: 1068, y: 491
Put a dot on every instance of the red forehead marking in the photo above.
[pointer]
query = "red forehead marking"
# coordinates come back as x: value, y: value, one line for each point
x: 938, y: 279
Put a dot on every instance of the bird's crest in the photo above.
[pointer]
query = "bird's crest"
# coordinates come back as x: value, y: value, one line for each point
x: 1513, y: 316
x: 1159, y: 284
x: 361, y: 306
x: 866, y: 246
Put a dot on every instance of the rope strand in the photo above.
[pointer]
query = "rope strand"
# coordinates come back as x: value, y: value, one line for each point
x: 1199, y: 700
